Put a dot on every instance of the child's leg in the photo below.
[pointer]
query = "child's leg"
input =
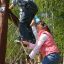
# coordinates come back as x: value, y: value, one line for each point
x: 26, y: 17
x: 26, y: 34
x: 31, y: 35
x: 51, y: 59
x: 24, y: 26
x: 23, y: 31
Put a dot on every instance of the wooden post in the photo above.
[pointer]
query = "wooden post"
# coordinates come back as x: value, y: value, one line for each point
x: 3, y: 31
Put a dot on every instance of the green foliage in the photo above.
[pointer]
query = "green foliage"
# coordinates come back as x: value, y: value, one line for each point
x: 59, y: 33
x: 55, y: 20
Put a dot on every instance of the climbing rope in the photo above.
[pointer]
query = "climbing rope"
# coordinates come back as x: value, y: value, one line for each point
x: 14, y: 60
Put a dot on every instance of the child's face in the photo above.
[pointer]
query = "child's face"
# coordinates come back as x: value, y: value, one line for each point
x: 39, y: 27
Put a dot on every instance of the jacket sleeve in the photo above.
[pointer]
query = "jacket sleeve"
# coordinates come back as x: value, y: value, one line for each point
x: 40, y: 42
x: 34, y: 32
x: 31, y: 46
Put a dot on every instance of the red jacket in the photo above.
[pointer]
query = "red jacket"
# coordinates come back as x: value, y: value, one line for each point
x: 49, y: 45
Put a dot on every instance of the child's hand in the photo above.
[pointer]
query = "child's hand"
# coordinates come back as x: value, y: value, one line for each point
x: 11, y: 6
x: 25, y: 43
x: 32, y: 23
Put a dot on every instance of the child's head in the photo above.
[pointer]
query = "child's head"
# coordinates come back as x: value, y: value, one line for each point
x: 41, y: 25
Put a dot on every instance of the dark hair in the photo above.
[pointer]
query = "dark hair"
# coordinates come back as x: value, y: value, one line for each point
x: 45, y: 26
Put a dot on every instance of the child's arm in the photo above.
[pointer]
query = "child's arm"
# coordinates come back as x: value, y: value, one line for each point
x: 31, y: 46
x: 28, y: 44
x: 34, y: 30
x: 41, y: 40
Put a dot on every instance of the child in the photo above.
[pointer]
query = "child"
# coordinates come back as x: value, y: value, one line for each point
x: 28, y: 9
x: 34, y: 27
x: 45, y: 45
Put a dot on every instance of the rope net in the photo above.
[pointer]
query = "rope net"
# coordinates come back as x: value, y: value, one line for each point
x: 15, y: 54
